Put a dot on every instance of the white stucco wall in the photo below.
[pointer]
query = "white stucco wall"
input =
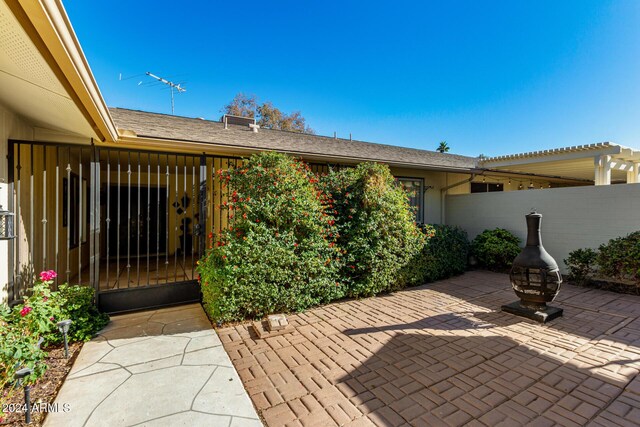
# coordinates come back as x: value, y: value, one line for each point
x: 11, y: 127
x: 573, y: 217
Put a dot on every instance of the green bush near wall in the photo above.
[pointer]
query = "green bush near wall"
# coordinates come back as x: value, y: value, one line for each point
x: 279, y: 254
x: 495, y: 249
x: 376, y: 226
x: 614, y: 262
x: 297, y: 240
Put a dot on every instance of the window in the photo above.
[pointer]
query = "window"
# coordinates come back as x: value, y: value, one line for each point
x: 415, y: 190
x: 485, y: 187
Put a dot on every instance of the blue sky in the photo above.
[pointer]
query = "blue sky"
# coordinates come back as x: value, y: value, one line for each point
x: 490, y: 77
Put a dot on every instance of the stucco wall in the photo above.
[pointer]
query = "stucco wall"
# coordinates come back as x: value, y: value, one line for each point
x: 573, y: 217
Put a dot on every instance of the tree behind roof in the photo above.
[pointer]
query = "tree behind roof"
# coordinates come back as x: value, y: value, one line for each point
x: 267, y: 115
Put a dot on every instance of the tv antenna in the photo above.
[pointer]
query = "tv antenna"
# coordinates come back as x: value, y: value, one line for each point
x: 172, y: 85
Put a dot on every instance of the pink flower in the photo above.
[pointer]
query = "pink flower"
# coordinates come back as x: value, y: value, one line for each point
x: 25, y: 310
x: 53, y: 319
x: 48, y: 275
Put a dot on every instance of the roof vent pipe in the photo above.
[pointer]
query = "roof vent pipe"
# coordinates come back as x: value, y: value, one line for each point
x: 225, y: 122
x: 335, y: 135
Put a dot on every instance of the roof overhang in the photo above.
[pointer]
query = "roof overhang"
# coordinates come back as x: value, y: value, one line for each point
x: 129, y: 139
x: 570, y: 162
x: 44, y: 73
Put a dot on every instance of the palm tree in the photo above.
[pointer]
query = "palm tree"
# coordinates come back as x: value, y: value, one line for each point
x: 443, y: 147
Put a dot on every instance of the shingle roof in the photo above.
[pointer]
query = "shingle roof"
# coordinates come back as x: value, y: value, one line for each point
x: 161, y: 126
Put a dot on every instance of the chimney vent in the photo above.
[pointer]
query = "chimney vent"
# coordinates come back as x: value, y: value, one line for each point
x: 228, y: 119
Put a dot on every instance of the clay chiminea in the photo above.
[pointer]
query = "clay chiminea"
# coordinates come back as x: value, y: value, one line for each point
x: 535, y: 277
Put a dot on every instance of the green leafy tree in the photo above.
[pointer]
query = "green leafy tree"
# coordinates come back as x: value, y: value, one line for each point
x: 443, y: 147
x: 267, y: 115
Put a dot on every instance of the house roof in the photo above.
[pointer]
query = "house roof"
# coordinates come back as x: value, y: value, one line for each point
x: 167, y: 127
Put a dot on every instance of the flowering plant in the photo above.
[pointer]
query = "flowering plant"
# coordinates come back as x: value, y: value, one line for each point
x: 376, y: 226
x: 278, y: 252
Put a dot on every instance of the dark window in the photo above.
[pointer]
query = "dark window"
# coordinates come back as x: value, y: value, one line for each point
x: 485, y: 187
x: 415, y: 190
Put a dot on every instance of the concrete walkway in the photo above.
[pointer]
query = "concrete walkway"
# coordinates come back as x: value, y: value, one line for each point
x: 163, y: 367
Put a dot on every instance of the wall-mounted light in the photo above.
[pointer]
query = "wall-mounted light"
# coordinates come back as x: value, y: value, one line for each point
x: 6, y: 224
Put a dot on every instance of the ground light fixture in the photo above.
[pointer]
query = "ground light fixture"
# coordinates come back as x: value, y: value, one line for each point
x: 535, y: 277
x: 20, y: 375
x: 63, y: 327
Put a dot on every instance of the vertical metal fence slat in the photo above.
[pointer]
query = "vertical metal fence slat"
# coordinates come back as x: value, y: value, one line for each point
x: 57, y: 232
x: 81, y: 219
x: 166, y: 252
x: 94, y: 220
x: 44, y: 210
x: 158, y: 228
x: 184, y: 222
x: 138, y: 219
x: 68, y: 208
x: 108, y: 219
x: 148, y: 213
x: 193, y: 218
x: 18, y: 215
x: 128, y: 219
x: 175, y: 229
x: 203, y: 214
x: 117, y: 282
x: 31, y: 258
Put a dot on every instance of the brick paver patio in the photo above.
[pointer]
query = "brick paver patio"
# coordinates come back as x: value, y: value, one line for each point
x: 443, y: 354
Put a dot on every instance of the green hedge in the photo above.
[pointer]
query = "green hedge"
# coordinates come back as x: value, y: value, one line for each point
x: 297, y: 240
x: 616, y: 262
x: 376, y: 225
x: 495, y: 249
x: 280, y: 252
x: 444, y: 254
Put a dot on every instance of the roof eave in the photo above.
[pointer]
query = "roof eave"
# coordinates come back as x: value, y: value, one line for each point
x: 170, y: 143
x: 48, y: 26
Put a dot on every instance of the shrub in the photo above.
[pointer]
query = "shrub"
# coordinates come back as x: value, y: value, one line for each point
x: 376, y: 227
x: 620, y: 258
x: 495, y: 249
x: 279, y: 254
x: 22, y: 327
x: 79, y: 306
x: 444, y: 254
x: 581, y: 265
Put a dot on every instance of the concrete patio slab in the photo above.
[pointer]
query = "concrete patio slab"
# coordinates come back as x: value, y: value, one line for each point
x: 444, y: 354
x: 155, y: 368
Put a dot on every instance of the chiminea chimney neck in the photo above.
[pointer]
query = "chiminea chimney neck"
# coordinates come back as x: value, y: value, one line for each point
x: 533, y: 229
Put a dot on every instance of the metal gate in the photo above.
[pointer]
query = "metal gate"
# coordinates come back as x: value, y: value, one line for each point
x: 130, y: 223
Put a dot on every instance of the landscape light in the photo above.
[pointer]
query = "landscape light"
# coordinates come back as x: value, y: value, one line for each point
x: 20, y: 375
x: 63, y: 327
